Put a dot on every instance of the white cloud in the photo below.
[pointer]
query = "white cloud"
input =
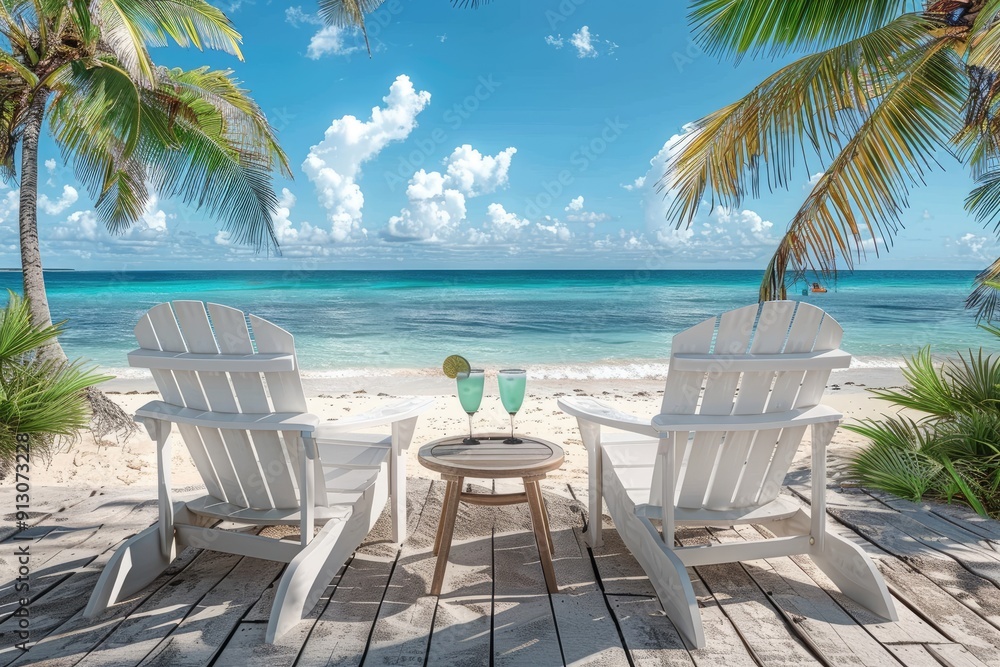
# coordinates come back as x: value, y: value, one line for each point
x: 583, y: 41
x: 636, y: 184
x: 334, y: 164
x: 50, y: 165
x: 437, y: 202
x: 713, y: 234
x: 586, y: 43
x: 813, y: 180
x: 66, y: 199
x: 474, y: 174
x: 556, y: 229
x: 500, y: 226
x: 330, y: 41
x: 296, y: 16
x: 578, y: 214
x: 429, y: 219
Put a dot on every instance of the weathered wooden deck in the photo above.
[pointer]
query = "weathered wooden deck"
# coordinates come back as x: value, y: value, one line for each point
x: 942, y: 565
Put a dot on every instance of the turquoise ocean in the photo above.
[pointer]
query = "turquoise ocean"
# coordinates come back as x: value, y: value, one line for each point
x: 574, y: 324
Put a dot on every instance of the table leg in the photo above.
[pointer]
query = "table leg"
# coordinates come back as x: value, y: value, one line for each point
x: 444, y: 508
x: 545, y: 520
x: 538, y: 524
x: 449, y: 511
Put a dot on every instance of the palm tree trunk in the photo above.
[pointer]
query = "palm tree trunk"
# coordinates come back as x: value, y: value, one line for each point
x: 31, y: 259
x: 106, y: 415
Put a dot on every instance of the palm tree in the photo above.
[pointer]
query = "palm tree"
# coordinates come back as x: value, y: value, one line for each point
x: 128, y: 126
x: 889, y: 87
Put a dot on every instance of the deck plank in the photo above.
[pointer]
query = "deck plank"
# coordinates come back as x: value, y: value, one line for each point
x: 211, y: 606
x: 829, y: 629
x: 71, y: 543
x: 405, y: 618
x: 139, y: 634
x: 622, y: 575
x: 524, y: 628
x: 46, y: 501
x: 751, y: 611
x: 587, y: 630
x: 197, y: 639
x: 75, y: 638
x: 463, y: 620
x: 649, y: 644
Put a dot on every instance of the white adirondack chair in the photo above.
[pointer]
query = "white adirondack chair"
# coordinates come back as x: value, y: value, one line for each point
x: 733, y: 416
x: 236, y: 398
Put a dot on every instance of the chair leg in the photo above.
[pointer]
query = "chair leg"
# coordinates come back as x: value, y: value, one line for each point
x: 135, y: 565
x: 311, y: 571
x: 665, y: 570
x: 847, y: 565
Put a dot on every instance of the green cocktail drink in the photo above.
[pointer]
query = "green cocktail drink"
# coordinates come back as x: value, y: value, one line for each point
x: 511, y: 383
x: 470, y: 395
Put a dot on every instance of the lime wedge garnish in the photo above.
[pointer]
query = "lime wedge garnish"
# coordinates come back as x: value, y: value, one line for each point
x: 456, y: 365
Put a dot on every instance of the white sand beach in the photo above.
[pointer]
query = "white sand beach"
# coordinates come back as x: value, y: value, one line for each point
x: 109, y: 464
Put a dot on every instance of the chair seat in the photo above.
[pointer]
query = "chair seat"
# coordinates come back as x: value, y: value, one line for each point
x: 630, y: 458
x: 211, y: 506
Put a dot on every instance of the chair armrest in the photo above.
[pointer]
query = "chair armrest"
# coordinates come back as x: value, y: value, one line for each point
x: 272, y: 421
x: 818, y: 414
x: 387, y: 414
x: 592, y: 410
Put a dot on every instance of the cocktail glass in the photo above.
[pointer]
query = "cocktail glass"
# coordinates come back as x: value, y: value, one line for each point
x: 511, y: 382
x: 470, y: 394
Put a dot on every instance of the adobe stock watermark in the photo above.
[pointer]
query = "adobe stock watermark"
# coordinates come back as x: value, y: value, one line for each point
x: 562, y: 12
x: 22, y: 550
x: 453, y: 118
x: 582, y: 159
x: 691, y: 52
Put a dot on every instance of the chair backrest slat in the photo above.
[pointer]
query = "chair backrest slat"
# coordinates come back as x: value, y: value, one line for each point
x: 724, y: 470
x: 735, y: 328
x: 249, y: 470
x: 682, y: 393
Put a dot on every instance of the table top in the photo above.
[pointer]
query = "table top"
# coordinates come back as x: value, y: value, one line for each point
x: 491, y: 458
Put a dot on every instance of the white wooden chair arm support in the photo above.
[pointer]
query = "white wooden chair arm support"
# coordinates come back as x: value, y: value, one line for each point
x: 231, y: 363
x: 388, y: 414
x: 271, y: 421
x: 819, y: 414
x: 590, y: 409
x: 733, y: 363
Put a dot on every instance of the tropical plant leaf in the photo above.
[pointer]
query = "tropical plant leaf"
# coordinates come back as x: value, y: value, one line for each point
x: 985, y: 297
x: 748, y: 26
x: 894, y: 461
x: 862, y: 193
x: 349, y: 14
x: 808, y: 104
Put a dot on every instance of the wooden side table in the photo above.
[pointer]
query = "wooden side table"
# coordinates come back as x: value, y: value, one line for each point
x: 492, y: 459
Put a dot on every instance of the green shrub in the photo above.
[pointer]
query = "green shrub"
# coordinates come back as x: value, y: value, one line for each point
x: 952, y: 452
x: 43, y: 398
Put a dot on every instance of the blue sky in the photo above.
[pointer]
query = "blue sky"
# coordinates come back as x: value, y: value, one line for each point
x: 524, y: 134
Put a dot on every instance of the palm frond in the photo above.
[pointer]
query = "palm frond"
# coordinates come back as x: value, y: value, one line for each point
x: 926, y: 389
x: 863, y: 191
x: 985, y: 297
x: 748, y: 26
x: 894, y: 461
x: 349, y: 14
x: 808, y: 104
x: 222, y: 155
